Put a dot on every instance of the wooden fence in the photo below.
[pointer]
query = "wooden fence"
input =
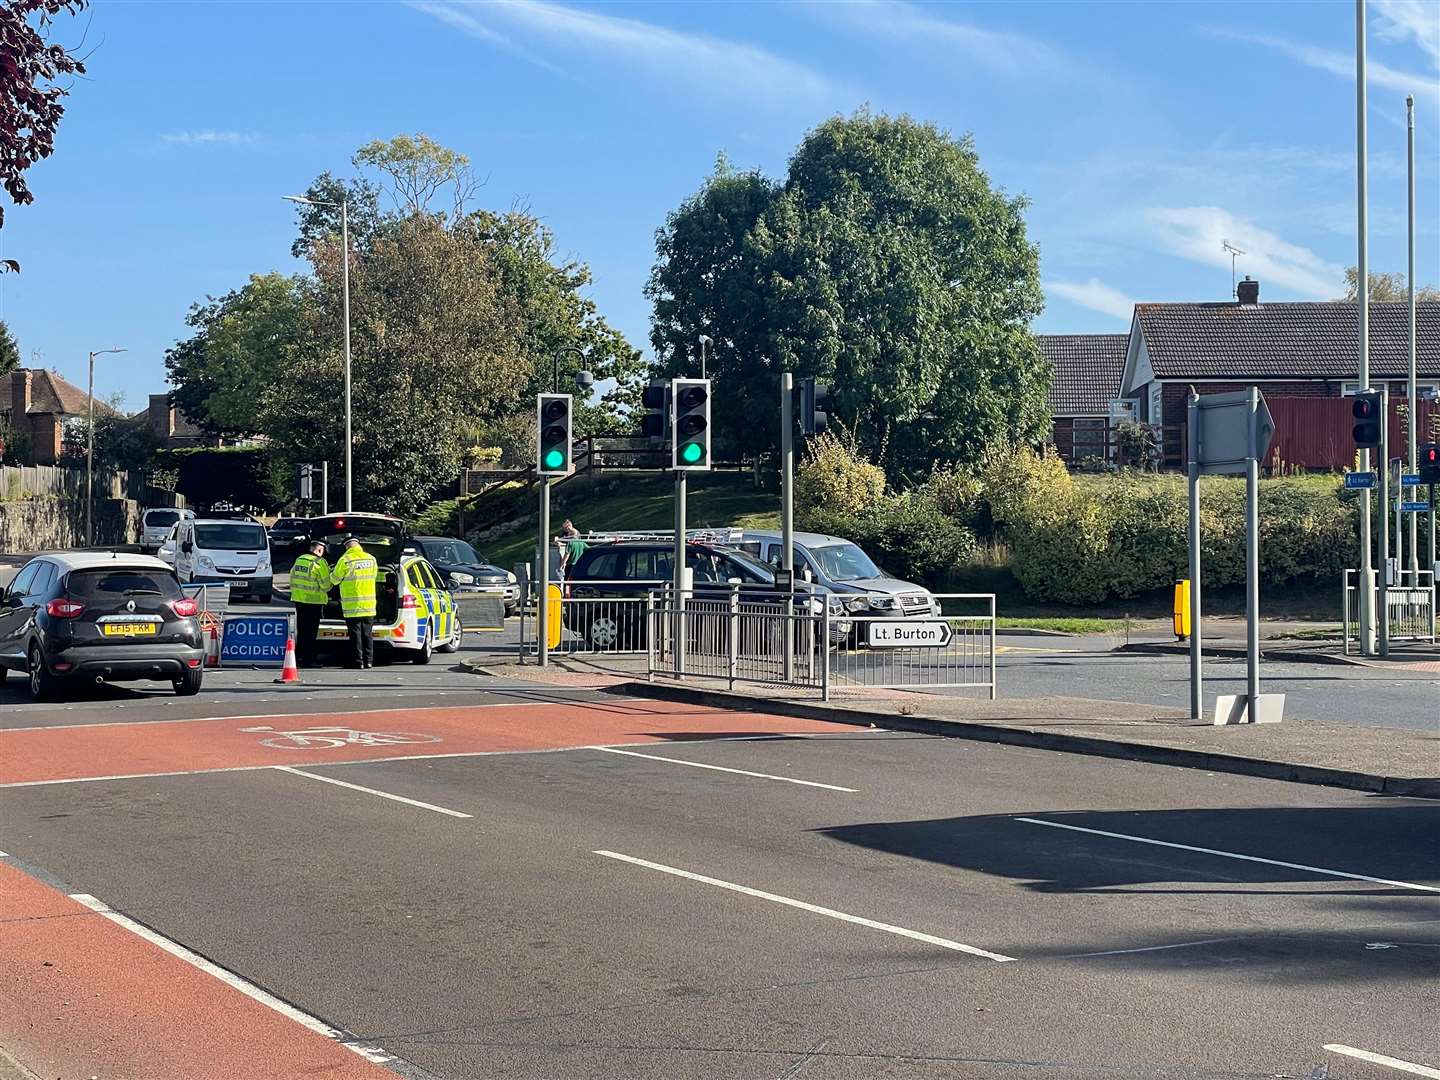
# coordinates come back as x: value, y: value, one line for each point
x: 68, y: 482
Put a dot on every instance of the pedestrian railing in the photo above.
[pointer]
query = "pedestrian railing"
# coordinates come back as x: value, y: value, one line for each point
x: 951, y: 645
x: 1409, y: 605
x: 597, y: 618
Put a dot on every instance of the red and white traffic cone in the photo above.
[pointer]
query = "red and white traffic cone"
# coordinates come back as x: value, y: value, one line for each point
x: 290, y: 673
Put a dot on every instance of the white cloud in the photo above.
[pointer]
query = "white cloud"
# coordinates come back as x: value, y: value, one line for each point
x: 713, y: 66
x: 997, y: 50
x: 1197, y: 233
x: 207, y: 137
x: 1095, y: 295
x: 1341, y: 64
x: 1402, y: 20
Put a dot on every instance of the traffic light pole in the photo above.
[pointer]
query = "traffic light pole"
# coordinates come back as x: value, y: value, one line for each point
x: 1362, y: 305
x: 542, y: 577
x: 1197, y: 692
x: 678, y: 637
x: 1383, y: 616
x: 787, y: 507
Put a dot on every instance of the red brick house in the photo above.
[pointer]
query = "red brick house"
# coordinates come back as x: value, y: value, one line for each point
x: 34, y: 405
x: 1298, y: 353
x: 1085, y: 372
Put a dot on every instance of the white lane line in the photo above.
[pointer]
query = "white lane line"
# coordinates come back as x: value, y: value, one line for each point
x: 1148, y: 948
x: 1234, y: 855
x: 370, y: 791
x: 319, y: 714
x: 379, y: 760
x: 915, y: 935
x: 721, y: 768
x: 1380, y: 1059
x: 229, y: 978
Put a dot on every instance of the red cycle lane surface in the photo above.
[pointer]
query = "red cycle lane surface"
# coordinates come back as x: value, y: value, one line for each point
x: 48, y: 755
x: 81, y: 996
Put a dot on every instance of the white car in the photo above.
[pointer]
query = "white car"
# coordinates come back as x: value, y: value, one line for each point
x: 168, y: 546
x: 156, y: 523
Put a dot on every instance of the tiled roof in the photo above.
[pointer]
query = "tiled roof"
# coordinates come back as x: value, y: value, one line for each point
x: 1319, y: 339
x: 49, y: 393
x: 1085, y: 371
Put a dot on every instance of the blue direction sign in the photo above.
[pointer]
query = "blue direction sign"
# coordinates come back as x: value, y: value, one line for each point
x: 1410, y: 479
x: 1359, y: 480
x: 1414, y: 507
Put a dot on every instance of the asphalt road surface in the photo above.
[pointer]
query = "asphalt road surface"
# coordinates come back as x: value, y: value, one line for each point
x: 493, y: 881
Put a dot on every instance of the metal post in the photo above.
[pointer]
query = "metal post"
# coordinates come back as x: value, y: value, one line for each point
x: 1252, y: 568
x: 1383, y: 617
x: 1362, y: 300
x: 651, y: 633
x: 678, y: 641
x: 824, y: 653
x: 1197, y: 696
x: 787, y: 506
x: 345, y: 277
x: 734, y: 641
x: 993, y: 621
x: 324, y: 488
x: 1412, y: 403
x: 1430, y: 551
x: 542, y: 602
x: 89, y: 453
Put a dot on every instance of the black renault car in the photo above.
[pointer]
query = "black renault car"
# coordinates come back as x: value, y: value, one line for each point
x: 94, y: 617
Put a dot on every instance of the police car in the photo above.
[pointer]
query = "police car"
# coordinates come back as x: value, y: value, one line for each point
x: 415, y: 615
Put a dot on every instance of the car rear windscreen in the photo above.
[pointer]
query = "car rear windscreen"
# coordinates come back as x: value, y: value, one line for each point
x: 154, y: 519
x: 237, y: 537
x: 98, y: 585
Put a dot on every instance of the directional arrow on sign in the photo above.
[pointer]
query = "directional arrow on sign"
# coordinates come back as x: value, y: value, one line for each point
x: 1264, y: 431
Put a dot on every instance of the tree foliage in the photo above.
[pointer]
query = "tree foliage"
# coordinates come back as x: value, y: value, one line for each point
x: 9, y: 350
x: 435, y: 347
x: 1386, y: 287
x: 31, y: 101
x: 319, y: 218
x: 418, y: 168
x: 885, y: 264
x: 242, y: 341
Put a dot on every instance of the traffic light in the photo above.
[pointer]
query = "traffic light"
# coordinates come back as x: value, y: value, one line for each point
x: 553, y: 423
x: 1365, y: 408
x: 814, y: 407
x: 656, y: 421
x: 690, y: 424
x: 1428, y: 462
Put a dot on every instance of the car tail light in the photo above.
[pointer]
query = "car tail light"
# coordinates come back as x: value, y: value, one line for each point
x: 185, y: 607
x: 64, y: 609
x: 63, y: 665
x: 192, y: 663
x: 408, y: 601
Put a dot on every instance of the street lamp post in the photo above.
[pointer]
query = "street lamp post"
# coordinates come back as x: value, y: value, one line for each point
x: 90, y: 444
x: 344, y: 206
x: 705, y: 341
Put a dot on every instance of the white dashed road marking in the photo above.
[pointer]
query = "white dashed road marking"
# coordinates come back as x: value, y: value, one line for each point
x: 370, y: 791
x: 1380, y: 1059
x: 721, y: 768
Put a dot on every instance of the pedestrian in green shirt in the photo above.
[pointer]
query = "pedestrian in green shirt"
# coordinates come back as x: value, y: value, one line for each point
x: 571, y: 547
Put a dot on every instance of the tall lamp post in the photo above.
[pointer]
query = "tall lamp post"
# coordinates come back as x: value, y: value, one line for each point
x: 344, y: 207
x: 90, y: 444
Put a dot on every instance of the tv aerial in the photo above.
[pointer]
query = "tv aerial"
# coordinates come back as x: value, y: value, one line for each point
x: 1233, y: 251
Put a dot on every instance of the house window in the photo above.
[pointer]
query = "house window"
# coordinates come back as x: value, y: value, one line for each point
x: 1423, y: 390
x: 1157, y: 403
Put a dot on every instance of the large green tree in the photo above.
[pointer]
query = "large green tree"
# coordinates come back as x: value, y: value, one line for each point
x: 885, y: 264
x: 435, y: 347
x: 242, y: 341
x: 9, y: 350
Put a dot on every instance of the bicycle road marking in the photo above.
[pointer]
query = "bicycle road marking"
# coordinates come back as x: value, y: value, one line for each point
x: 370, y: 791
x: 929, y: 939
x: 1233, y: 855
x: 332, y: 738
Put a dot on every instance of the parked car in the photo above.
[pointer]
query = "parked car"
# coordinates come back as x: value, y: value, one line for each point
x: 99, y: 617
x: 844, y: 569
x: 628, y: 570
x: 415, y: 615
x: 156, y: 523
x: 237, y: 553
x: 168, y: 546
x: 462, y: 569
x: 287, y: 534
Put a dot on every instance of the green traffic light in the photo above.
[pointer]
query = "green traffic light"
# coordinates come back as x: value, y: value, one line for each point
x: 691, y: 453
x: 554, y: 459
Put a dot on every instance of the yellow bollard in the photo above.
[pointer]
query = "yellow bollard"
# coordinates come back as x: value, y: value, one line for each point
x: 552, y: 617
x: 1182, y: 609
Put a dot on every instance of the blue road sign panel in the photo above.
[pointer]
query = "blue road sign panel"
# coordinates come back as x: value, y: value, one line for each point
x: 1410, y: 479
x: 1414, y: 507
x: 1359, y: 480
x: 257, y: 640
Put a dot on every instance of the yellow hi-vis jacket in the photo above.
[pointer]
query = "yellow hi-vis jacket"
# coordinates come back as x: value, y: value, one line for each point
x: 310, y: 580
x: 355, y: 572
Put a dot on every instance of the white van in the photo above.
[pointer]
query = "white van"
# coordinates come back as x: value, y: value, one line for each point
x: 156, y: 524
x: 210, y: 551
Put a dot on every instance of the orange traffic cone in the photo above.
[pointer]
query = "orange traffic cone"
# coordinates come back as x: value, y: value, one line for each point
x: 290, y: 673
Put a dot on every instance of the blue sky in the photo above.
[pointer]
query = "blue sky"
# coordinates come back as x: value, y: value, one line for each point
x: 1143, y: 134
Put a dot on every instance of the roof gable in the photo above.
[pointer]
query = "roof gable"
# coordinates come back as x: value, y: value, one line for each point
x: 1085, y: 371
x: 1317, y: 340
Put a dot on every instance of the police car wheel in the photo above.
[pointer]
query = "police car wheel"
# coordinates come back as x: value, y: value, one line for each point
x: 422, y: 654
x: 454, y: 643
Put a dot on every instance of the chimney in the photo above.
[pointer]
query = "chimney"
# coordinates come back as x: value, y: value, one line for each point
x: 20, y: 399
x: 1248, y: 292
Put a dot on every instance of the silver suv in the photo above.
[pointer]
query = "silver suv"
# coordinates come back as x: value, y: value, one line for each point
x: 844, y: 569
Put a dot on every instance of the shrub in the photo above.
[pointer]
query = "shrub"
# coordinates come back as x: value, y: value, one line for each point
x: 835, y: 479
x: 907, y: 535
x: 955, y: 492
x: 1014, y: 480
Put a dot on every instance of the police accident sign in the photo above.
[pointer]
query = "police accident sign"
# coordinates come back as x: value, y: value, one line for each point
x: 909, y: 634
